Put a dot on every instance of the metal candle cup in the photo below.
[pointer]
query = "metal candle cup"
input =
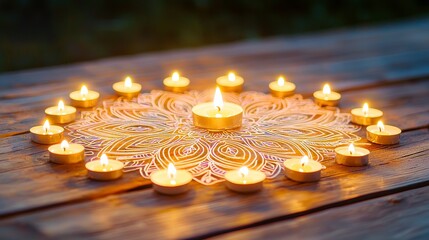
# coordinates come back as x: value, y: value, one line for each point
x: 282, y: 88
x: 66, y: 153
x: 230, y: 83
x: 61, y: 113
x: 302, y: 170
x: 171, y: 181
x: 244, y: 180
x: 366, y: 116
x: 176, y: 83
x: 352, y: 156
x: 104, y: 169
x: 46, y: 134
x: 326, y: 97
x: 383, y: 134
x: 84, y: 98
x: 127, y: 88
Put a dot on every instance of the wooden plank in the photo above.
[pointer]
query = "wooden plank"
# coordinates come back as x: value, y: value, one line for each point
x: 20, y: 157
x: 209, y: 211
x: 399, y: 216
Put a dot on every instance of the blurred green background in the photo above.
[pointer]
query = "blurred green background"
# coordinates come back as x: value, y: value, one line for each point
x: 51, y: 32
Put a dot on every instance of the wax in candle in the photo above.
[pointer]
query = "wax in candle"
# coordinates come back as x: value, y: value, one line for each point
x: 46, y: 134
x: 61, y: 113
x: 326, y: 97
x: 383, y: 134
x: 84, y: 98
x: 302, y: 170
x: 352, y: 156
x: 176, y: 83
x: 66, y: 153
x: 282, y: 88
x: 127, y: 88
x: 230, y: 83
x: 244, y: 180
x: 171, y: 181
x: 365, y: 115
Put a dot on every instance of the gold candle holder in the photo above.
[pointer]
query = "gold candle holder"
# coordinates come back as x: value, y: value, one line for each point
x: 244, y: 180
x: 171, y: 181
x: 230, y: 83
x: 61, y: 113
x: 127, y: 88
x: 104, y: 169
x: 302, y: 170
x: 366, y: 116
x: 46, y: 134
x: 351, y: 156
x: 176, y: 83
x: 84, y: 98
x: 326, y: 97
x: 383, y: 134
x: 66, y: 153
x: 282, y: 88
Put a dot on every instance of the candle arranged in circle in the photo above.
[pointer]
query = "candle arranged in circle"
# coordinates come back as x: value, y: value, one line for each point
x: 366, y: 115
x: 46, y: 134
x: 65, y: 153
x: 352, y: 156
x: 282, y: 88
x: 176, y: 83
x: 61, y: 113
x: 244, y: 180
x: 383, y: 134
x: 230, y: 83
x: 127, y: 88
x: 302, y: 170
x: 104, y: 169
x: 217, y: 115
x: 326, y: 97
x: 171, y: 181
x: 84, y: 98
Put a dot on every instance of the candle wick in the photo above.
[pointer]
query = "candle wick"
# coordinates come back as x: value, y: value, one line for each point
x: 64, y: 149
x: 218, y: 108
x: 351, y: 153
x: 379, y: 129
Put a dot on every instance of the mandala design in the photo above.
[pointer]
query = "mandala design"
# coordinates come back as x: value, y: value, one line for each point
x: 156, y: 128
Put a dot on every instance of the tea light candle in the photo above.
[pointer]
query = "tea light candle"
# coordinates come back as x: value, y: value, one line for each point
x: 230, y: 83
x: 281, y: 88
x: 171, y: 181
x: 383, y: 134
x: 46, y: 134
x: 326, y: 97
x: 302, y: 170
x: 217, y: 115
x: 244, y: 180
x: 84, y: 98
x: 127, y: 88
x: 351, y: 156
x: 176, y: 83
x: 66, y: 153
x: 366, y: 116
x: 104, y: 169
x: 61, y: 113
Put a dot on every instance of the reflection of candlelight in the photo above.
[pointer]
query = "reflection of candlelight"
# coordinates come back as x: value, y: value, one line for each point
x: 46, y: 126
x: 380, y: 126
x: 351, y: 149
x: 128, y: 82
x: 65, y: 145
x: 231, y: 76
x: 281, y: 81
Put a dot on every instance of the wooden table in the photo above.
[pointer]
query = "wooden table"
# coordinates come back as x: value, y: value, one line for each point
x: 386, y: 65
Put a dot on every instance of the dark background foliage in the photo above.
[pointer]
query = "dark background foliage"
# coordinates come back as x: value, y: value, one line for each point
x: 51, y: 32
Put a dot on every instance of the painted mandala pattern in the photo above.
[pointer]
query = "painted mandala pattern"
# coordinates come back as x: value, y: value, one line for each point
x: 156, y: 128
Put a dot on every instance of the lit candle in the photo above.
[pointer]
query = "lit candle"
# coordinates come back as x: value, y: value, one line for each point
x: 61, y: 113
x: 302, y: 170
x: 326, y: 97
x: 46, y: 134
x: 176, y: 83
x: 84, y: 98
x: 352, y: 156
x: 171, y: 181
x: 365, y: 115
x: 217, y: 115
x: 281, y: 88
x: 127, y: 88
x: 383, y: 134
x: 244, y: 180
x: 66, y: 153
x: 104, y: 169
x: 230, y: 83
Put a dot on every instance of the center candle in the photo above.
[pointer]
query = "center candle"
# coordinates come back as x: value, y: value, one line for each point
x: 217, y: 115
x: 46, y: 134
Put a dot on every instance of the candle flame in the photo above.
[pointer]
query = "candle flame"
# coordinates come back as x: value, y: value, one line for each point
x: 244, y: 171
x: 46, y: 126
x: 231, y: 76
x: 218, y: 101
x: 175, y: 76
x: 128, y: 82
x: 84, y: 91
x: 65, y: 145
x: 351, y: 149
x: 61, y: 106
x: 380, y: 126
x: 171, y: 173
x: 281, y: 81
x: 365, y: 109
x: 304, y: 161
x: 104, y: 160
x: 326, y: 89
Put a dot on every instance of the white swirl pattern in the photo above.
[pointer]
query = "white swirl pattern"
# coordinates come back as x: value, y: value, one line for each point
x: 155, y: 129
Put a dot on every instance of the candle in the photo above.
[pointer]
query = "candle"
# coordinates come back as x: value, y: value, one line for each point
x: 171, y: 181
x: 366, y: 116
x: 127, y: 88
x: 46, y: 134
x: 176, y: 83
x: 84, y: 98
x: 244, y: 180
x: 217, y: 115
x: 383, y: 134
x: 281, y: 88
x: 326, y: 97
x: 351, y: 156
x: 104, y: 169
x: 61, y: 113
x: 230, y: 83
x: 302, y: 170
x: 66, y: 153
